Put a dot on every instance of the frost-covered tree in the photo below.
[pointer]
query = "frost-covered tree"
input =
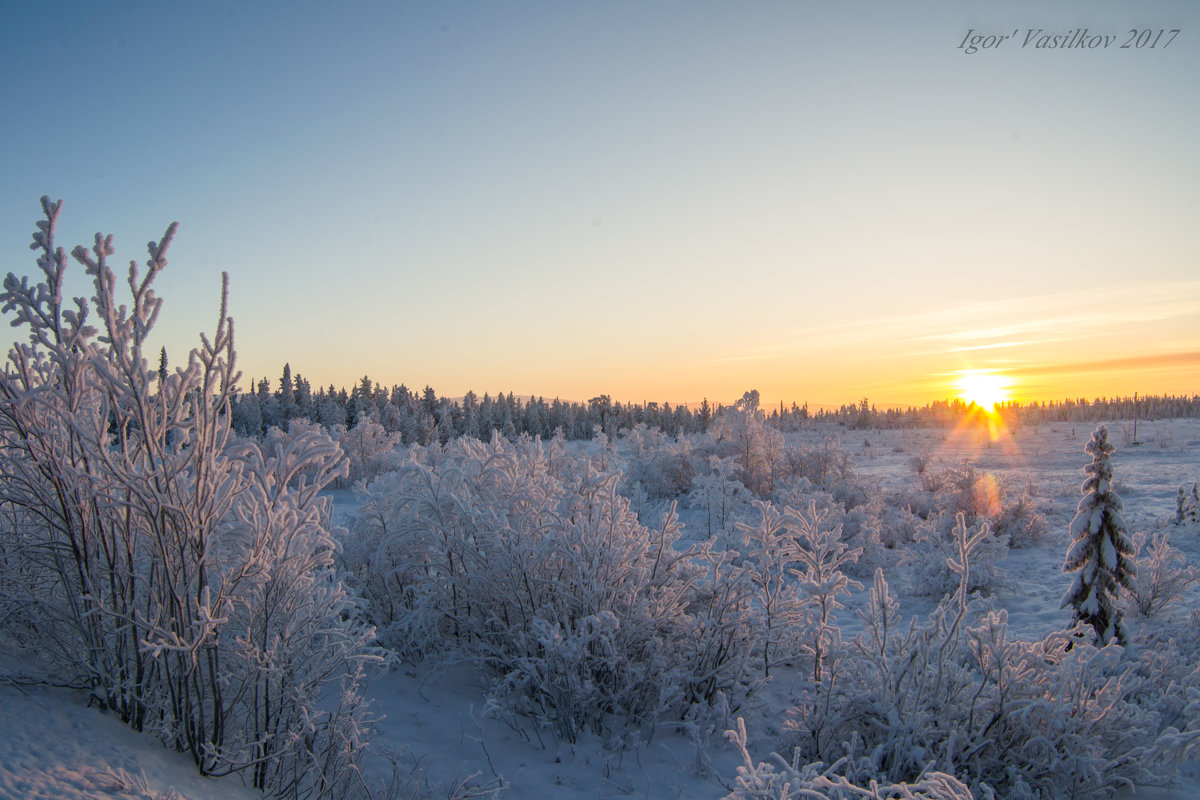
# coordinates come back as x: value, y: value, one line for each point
x: 720, y: 493
x: 287, y: 394
x: 758, y: 447
x: 185, y: 578
x: 246, y: 415
x: 819, y: 552
x: 777, y: 596
x: 1101, y: 554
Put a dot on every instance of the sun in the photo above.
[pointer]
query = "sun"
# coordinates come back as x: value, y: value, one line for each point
x: 984, y: 389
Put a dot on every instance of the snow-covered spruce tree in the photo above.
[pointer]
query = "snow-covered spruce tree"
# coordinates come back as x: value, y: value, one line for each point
x: 185, y: 579
x: 1101, y: 554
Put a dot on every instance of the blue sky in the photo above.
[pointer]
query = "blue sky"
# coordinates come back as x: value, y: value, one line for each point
x: 660, y: 201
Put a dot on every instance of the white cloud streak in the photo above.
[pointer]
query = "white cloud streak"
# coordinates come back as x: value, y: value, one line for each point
x: 992, y: 324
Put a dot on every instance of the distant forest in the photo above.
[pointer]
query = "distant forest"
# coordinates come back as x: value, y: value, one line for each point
x: 422, y: 417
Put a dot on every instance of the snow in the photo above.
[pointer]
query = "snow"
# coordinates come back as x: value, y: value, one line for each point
x: 1108, y: 554
x: 436, y: 735
x: 52, y: 747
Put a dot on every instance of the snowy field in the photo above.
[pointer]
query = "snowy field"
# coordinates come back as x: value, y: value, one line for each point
x: 438, y: 738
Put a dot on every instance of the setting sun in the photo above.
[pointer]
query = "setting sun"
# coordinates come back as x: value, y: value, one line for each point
x: 984, y: 389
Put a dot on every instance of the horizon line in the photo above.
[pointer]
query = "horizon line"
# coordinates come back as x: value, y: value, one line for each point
x: 768, y: 408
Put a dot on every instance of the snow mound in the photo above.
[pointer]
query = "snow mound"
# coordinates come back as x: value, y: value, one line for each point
x: 55, y: 748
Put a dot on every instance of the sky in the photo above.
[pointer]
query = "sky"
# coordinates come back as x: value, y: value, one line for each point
x: 658, y: 201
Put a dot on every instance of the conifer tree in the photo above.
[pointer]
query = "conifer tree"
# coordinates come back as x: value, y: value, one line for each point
x: 1101, y: 554
x: 287, y: 396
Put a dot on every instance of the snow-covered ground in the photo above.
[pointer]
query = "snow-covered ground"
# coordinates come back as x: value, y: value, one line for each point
x: 435, y: 728
x: 52, y: 747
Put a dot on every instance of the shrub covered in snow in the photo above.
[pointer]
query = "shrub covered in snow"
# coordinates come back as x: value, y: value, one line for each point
x: 662, y: 466
x: 742, y: 432
x: 860, y: 510
x: 784, y: 779
x: 1016, y: 719
x: 185, y: 579
x: 724, y: 499
x: 1164, y: 575
x: 981, y: 496
x: 530, y: 563
x: 1187, y: 505
x: 369, y: 448
x: 824, y: 466
x: 796, y: 563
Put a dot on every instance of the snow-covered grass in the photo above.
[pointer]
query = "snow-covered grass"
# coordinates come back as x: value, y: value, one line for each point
x: 439, y: 735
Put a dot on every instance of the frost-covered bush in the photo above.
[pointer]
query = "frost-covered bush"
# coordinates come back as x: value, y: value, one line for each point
x: 899, y: 526
x: 1020, y: 521
x: 723, y: 498
x: 1168, y: 683
x: 920, y: 503
x: 663, y: 467
x: 817, y: 549
x: 963, y: 488
x: 921, y: 462
x: 931, y: 560
x: 854, y: 505
x: 784, y: 779
x: 1023, y: 719
x: 1163, y: 574
x: 369, y: 448
x: 797, y: 560
x: 980, y: 497
x: 1187, y: 505
x: 605, y: 457
x: 851, y: 492
x: 825, y: 466
x: 776, y: 593
x: 535, y: 568
x: 742, y: 432
x: 185, y: 578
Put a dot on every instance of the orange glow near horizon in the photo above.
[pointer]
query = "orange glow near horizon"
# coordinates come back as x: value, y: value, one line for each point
x: 984, y: 426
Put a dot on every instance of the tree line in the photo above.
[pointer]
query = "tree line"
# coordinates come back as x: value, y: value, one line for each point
x: 423, y: 416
